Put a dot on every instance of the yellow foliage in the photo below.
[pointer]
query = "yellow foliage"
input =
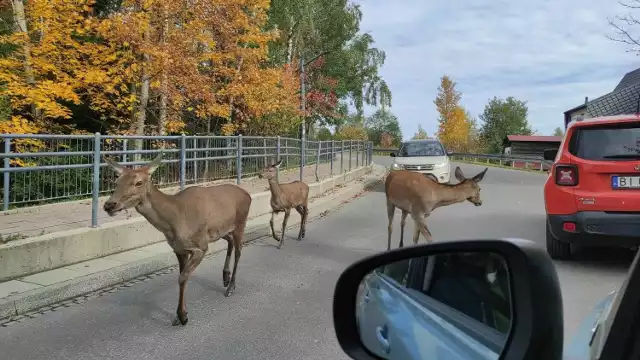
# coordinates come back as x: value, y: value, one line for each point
x: 352, y: 133
x: 454, y: 131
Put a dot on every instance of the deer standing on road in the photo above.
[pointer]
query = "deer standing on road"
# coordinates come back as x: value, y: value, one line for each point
x: 417, y: 195
x: 284, y: 197
x: 190, y: 219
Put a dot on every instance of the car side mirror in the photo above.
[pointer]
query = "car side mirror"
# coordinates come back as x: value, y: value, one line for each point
x: 464, y: 299
x: 550, y: 154
x: 392, y: 154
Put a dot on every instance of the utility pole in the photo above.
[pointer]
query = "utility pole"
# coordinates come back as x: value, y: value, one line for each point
x: 303, y: 109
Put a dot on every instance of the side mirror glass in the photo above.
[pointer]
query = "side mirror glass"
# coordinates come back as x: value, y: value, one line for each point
x: 550, y: 154
x: 456, y: 302
x: 465, y: 299
x: 392, y: 154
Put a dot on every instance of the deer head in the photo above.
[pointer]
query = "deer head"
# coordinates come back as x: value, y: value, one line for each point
x: 132, y: 185
x: 470, y: 187
x: 270, y: 171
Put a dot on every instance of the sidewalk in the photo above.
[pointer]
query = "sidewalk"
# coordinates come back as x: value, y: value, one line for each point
x: 68, y: 284
x: 40, y: 220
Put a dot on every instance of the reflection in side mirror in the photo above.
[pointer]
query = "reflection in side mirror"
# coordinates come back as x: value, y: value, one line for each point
x: 392, y: 154
x: 452, y: 305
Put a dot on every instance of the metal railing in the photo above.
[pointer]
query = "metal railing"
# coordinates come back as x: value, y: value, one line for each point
x: 38, y: 169
x: 528, y: 162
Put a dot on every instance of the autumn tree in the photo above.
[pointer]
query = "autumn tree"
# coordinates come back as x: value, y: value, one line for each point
x: 383, y: 122
x: 420, y: 134
x: 502, y: 117
x: 352, y: 132
x: 454, y: 123
x: 386, y: 140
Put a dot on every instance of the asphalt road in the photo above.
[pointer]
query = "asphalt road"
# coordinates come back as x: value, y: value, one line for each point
x: 281, y: 308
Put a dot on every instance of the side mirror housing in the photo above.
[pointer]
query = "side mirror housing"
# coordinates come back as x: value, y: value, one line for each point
x: 550, y: 154
x: 533, y: 329
x: 392, y: 154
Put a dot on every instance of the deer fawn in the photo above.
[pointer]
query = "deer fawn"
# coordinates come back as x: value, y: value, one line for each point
x: 190, y: 219
x: 284, y: 197
x: 417, y: 195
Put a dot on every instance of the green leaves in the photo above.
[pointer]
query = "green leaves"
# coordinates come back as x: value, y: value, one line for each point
x: 502, y: 118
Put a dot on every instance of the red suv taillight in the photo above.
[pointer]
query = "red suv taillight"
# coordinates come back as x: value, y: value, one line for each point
x: 566, y: 175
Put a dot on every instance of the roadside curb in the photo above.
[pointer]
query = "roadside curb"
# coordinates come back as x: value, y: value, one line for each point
x: 38, y: 301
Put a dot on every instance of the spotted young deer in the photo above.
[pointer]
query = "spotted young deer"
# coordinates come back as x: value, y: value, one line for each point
x: 284, y: 197
x: 417, y: 195
x: 190, y: 219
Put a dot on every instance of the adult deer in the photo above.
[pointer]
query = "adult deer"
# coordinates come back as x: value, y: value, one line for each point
x: 417, y: 195
x: 284, y: 197
x: 190, y: 219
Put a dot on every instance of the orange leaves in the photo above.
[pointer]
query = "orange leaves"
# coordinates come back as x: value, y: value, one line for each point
x: 352, y: 133
x: 454, y: 132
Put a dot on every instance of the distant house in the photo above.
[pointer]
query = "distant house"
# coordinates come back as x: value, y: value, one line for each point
x: 622, y: 100
x: 529, y: 146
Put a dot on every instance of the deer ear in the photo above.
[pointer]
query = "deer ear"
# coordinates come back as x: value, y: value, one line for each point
x: 480, y: 176
x: 153, y: 165
x: 278, y: 163
x: 459, y: 175
x: 114, y: 165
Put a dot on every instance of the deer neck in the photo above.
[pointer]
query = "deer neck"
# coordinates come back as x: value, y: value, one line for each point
x: 276, y: 191
x: 158, y: 208
x: 452, y: 194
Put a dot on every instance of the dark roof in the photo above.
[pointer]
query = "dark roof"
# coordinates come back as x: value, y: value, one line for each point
x: 526, y: 138
x: 629, y: 79
x: 622, y: 100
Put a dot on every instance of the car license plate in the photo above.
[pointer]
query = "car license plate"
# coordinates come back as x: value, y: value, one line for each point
x: 625, y: 182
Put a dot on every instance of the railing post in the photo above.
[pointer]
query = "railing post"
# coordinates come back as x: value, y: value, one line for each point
x: 303, y: 155
x: 277, y: 157
x: 318, y: 159
x: 332, y: 155
x: 239, y: 160
x: 350, y: 153
x: 194, y: 155
x: 95, y: 184
x: 183, y: 160
x: 125, y: 145
x: 341, y: 156
x: 358, y: 142
x: 7, y: 164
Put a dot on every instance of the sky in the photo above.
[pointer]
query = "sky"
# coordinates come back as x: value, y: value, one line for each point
x: 549, y: 53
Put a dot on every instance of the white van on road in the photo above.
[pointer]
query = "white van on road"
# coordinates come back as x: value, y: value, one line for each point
x: 427, y: 157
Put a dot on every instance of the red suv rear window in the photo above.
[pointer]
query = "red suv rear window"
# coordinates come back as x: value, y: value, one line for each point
x: 618, y: 142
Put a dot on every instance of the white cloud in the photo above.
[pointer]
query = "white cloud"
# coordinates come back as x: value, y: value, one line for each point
x: 550, y: 53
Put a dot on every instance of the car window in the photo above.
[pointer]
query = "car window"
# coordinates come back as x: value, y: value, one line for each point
x: 470, y: 286
x: 397, y: 271
x: 421, y: 148
x: 610, y: 143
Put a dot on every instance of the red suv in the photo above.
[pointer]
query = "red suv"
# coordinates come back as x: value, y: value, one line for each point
x: 592, y: 194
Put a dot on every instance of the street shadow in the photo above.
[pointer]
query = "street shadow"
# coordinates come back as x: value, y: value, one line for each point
x: 602, y: 257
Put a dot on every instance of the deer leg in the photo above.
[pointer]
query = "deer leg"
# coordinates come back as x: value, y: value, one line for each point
x: 226, y: 274
x: 391, y: 209
x: 182, y: 259
x: 403, y: 221
x: 194, y: 260
x: 273, y: 231
x: 421, y: 225
x: 302, y: 210
x: 287, y: 212
x: 238, y: 238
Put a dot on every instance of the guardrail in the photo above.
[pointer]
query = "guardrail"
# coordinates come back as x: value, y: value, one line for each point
x: 527, y: 162
x: 38, y: 169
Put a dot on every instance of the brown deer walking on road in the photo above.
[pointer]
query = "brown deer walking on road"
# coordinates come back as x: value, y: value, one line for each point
x: 417, y: 195
x: 190, y: 219
x: 284, y: 197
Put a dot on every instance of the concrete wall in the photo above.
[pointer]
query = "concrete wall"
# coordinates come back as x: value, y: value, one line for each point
x: 46, y: 252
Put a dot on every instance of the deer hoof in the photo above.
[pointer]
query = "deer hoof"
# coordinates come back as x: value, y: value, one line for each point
x: 229, y: 290
x: 180, y: 320
x: 226, y: 278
